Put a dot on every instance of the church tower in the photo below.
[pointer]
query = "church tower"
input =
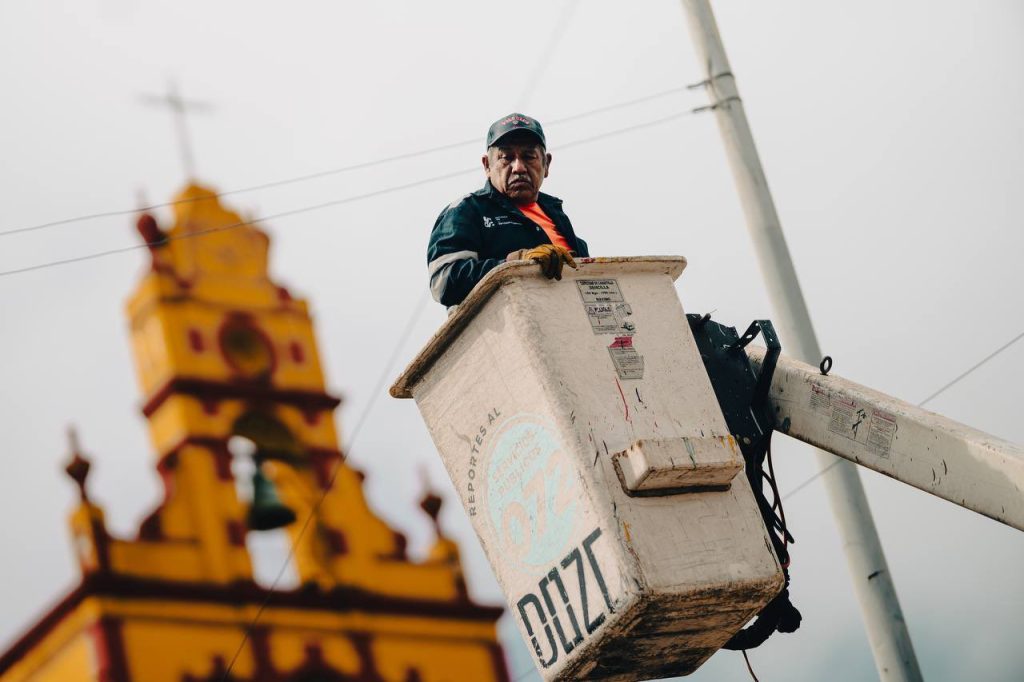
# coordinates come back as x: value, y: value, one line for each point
x: 233, y: 389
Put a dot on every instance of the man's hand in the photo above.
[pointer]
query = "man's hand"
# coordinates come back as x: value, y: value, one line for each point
x: 550, y: 257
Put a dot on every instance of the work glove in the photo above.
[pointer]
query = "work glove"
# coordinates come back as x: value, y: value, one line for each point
x: 551, y: 258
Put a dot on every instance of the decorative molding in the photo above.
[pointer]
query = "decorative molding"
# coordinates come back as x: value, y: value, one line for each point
x: 239, y: 389
x: 246, y: 593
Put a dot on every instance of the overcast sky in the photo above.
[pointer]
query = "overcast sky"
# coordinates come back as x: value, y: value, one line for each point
x: 893, y: 139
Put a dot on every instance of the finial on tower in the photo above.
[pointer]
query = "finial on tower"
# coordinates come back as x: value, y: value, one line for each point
x: 431, y: 503
x: 78, y: 467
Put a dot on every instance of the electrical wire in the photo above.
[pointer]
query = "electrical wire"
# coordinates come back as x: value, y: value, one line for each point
x: 924, y: 402
x: 335, y: 202
x: 561, y: 24
x: 231, y: 226
x: 333, y: 171
x: 964, y: 375
x: 750, y: 669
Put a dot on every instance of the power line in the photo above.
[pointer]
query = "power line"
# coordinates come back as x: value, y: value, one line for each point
x: 332, y: 171
x: 561, y: 24
x: 335, y: 202
x: 924, y: 402
x: 222, y: 228
x: 972, y: 368
x: 378, y: 388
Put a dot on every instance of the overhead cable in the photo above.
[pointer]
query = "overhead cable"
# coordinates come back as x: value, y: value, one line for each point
x: 333, y: 171
x: 334, y: 202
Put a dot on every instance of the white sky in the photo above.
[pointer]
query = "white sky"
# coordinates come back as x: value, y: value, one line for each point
x: 893, y: 140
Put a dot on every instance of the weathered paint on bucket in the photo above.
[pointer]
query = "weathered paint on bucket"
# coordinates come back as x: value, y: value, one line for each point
x: 579, y: 426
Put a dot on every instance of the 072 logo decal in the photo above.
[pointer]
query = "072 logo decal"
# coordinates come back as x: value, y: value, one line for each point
x: 532, y: 493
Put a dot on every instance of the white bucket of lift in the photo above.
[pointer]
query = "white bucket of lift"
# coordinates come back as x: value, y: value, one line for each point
x: 578, y: 425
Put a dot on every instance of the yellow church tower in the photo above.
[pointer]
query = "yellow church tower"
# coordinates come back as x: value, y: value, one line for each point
x: 230, y: 373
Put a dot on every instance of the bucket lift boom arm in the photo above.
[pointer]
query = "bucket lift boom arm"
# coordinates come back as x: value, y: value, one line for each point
x: 928, y: 451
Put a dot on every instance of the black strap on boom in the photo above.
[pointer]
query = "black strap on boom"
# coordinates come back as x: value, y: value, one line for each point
x: 743, y: 397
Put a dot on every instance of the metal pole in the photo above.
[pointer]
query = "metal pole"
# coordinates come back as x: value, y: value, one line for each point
x: 880, y: 608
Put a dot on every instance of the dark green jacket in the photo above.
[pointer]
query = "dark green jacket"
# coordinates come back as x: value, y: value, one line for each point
x: 475, y: 234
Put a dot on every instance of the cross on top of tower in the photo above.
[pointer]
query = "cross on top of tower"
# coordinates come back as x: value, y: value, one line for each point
x: 179, y: 106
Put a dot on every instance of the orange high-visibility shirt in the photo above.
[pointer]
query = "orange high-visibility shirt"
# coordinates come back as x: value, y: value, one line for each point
x: 535, y: 213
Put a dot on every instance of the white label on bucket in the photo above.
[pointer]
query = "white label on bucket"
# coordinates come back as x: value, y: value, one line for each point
x: 599, y: 290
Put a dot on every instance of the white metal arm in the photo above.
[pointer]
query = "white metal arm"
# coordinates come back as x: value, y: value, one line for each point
x: 928, y: 451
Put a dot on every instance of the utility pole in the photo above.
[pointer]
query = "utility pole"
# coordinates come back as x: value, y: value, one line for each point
x: 880, y: 608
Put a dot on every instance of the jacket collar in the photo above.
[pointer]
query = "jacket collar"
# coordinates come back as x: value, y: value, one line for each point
x: 551, y: 205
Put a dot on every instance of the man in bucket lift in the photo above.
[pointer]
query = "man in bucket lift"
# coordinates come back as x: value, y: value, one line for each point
x: 509, y: 219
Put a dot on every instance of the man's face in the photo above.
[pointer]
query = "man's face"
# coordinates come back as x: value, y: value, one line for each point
x: 517, y: 166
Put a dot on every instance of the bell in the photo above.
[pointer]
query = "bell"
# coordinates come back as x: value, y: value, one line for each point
x: 267, y: 512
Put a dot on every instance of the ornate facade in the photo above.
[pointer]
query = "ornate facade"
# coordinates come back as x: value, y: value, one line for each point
x: 229, y: 369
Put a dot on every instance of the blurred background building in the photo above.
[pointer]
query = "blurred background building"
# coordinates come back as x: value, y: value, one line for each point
x: 244, y: 435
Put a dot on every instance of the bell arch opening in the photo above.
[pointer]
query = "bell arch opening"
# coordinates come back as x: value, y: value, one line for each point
x: 257, y: 441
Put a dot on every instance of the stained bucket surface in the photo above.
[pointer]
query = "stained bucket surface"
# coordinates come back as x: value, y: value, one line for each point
x: 580, y: 428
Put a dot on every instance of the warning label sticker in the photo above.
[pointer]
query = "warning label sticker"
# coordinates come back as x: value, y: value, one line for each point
x: 881, y: 430
x: 847, y: 418
x: 602, y: 317
x: 599, y: 290
x: 610, y: 318
x: 629, y: 364
x: 605, y: 306
x: 820, y: 400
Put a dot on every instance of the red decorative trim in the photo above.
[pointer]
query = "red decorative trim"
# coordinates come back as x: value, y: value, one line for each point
x: 218, y: 448
x: 337, y: 545
x: 151, y: 529
x: 195, y: 340
x: 218, y: 673
x: 323, y: 462
x: 295, y: 350
x: 236, y: 533
x: 498, y: 662
x: 339, y: 599
x: 367, y: 666
x: 222, y: 462
x: 50, y: 620
x: 401, y: 543
x: 259, y: 640
x: 460, y: 586
x: 102, y: 542
x: 245, y: 320
x: 114, y: 666
x: 247, y: 593
x: 239, y: 389
x: 315, y: 667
